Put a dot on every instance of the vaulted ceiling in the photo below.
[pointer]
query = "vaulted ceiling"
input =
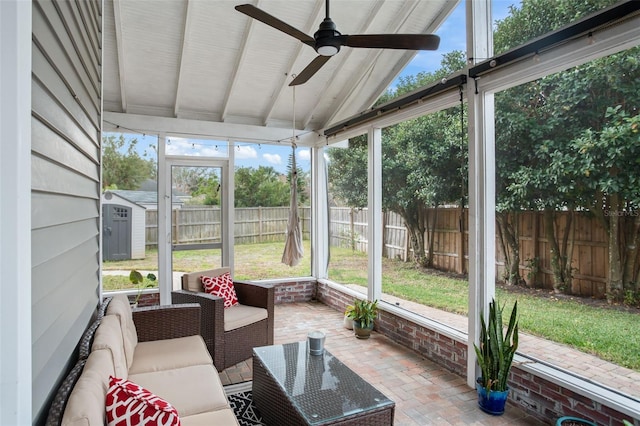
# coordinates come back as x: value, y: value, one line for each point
x: 203, y: 60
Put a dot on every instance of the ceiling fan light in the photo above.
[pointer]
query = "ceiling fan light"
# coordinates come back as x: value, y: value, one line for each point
x: 328, y: 50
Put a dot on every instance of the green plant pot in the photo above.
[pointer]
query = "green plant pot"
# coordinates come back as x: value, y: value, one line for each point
x: 362, y: 332
x: 573, y: 421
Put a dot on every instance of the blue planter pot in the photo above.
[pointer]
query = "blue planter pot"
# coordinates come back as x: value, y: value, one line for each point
x: 492, y: 402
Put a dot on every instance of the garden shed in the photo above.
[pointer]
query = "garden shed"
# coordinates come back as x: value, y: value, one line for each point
x: 123, y: 227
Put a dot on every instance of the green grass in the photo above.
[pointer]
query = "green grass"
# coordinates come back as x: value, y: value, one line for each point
x: 608, y: 333
x: 253, y: 261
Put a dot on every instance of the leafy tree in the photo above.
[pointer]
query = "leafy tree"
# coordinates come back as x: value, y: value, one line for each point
x: 609, y: 162
x: 423, y: 165
x: 348, y: 173
x: 536, y: 17
x: 122, y: 166
x: 535, y: 125
x: 261, y: 187
x: 302, y: 181
x: 202, y: 183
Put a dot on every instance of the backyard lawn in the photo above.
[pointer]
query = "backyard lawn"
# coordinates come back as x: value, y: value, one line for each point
x: 610, y: 333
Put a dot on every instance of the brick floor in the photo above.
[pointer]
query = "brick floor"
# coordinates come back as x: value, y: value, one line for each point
x: 424, y: 393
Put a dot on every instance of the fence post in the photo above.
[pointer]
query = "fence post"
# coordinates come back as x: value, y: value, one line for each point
x: 177, y: 220
x: 352, y: 230
x: 536, y: 249
x: 460, y: 242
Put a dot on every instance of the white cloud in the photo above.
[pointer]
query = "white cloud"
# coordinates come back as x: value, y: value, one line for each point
x: 195, y: 148
x: 244, y: 152
x: 272, y: 158
x: 304, y: 154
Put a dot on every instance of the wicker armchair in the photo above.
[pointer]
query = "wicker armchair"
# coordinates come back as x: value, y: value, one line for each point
x: 228, y: 343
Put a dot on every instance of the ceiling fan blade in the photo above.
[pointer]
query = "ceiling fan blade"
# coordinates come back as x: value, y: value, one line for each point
x: 310, y: 70
x: 262, y: 16
x: 392, y: 41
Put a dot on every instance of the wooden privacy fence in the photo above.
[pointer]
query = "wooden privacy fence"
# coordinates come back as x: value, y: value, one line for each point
x: 348, y: 229
x: 203, y: 225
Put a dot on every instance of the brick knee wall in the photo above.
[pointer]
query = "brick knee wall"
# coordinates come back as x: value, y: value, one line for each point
x: 538, y: 397
x: 294, y: 292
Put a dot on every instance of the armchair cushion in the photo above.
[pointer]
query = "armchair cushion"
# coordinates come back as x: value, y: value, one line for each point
x: 193, y: 282
x: 221, y: 286
x: 231, y: 334
x: 241, y: 315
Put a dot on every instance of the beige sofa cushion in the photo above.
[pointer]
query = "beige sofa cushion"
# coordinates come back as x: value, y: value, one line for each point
x: 241, y: 315
x: 119, y: 306
x: 86, y: 404
x: 191, y: 390
x: 159, y: 355
x: 192, y: 281
x: 219, y: 417
x: 109, y: 337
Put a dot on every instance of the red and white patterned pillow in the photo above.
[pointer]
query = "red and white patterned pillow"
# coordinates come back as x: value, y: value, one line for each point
x: 221, y: 286
x: 129, y: 404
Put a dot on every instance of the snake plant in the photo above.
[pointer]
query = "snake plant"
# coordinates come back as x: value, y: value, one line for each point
x: 497, y: 348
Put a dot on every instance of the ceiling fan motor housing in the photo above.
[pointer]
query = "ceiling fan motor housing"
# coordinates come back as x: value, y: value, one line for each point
x: 327, y: 38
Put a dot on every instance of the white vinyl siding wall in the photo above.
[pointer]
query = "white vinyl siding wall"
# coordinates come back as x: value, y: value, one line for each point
x: 65, y: 173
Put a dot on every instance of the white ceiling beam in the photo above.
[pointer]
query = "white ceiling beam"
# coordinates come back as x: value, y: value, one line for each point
x: 344, y: 57
x: 314, y: 18
x: 185, y: 44
x: 117, y: 16
x: 408, y: 56
x: 402, y: 16
x: 147, y: 124
x: 244, y: 49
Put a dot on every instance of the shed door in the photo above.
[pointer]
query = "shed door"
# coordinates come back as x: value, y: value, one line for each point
x: 116, y: 229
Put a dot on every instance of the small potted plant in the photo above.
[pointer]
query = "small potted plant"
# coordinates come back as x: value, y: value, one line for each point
x: 573, y: 421
x: 495, y: 356
x: 348, y: 322
x: 136, y: 278
x: 363, y: 314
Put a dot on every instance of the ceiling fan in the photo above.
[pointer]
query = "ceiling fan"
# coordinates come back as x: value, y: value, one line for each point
x: 327, y: 40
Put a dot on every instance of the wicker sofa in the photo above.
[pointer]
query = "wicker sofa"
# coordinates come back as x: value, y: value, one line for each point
x: 235, y: 331
x: 158, y: 348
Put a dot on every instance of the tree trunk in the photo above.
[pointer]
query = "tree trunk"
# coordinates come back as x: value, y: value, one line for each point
x: 615, y: 286
x: 417, y: 245
x: 568, y: 240
x: 431, y: 233
x: 631, y: 254
x: 510, y: 240
x: 557, y: 263
x: 414, y: 219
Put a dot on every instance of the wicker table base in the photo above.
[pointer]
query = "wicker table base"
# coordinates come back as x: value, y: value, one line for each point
x: 291, y: 387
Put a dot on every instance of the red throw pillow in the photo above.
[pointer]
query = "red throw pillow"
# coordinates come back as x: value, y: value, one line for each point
x: 221, y: 286
x: 129, y: 404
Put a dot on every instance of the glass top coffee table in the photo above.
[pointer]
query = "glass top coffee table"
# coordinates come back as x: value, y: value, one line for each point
x: 292, y: 387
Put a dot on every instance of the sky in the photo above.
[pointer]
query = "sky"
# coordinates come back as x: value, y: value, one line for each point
x: 253, y: 155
